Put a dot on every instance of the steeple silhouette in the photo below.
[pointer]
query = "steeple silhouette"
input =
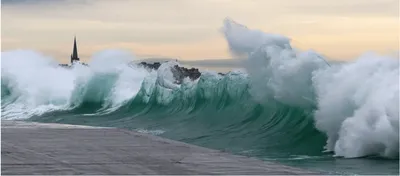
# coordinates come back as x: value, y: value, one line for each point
x: 74, y: 55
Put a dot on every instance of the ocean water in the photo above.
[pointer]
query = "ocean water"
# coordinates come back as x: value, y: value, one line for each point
x: 284, y: 105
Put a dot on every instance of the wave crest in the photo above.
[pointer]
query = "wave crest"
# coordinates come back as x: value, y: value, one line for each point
x: 355, y: 104
x: 352, y: 99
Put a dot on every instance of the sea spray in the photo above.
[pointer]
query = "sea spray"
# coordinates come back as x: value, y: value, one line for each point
x: 357, y: 102
x: 286, y: 106
x: 37, y: 85
x: 34, y: 89
x: 276, y: 70
x: 358, y: 107
x: 128, y: 80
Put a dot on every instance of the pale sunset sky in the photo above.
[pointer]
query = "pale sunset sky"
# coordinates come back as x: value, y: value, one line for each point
x: 189, y: 29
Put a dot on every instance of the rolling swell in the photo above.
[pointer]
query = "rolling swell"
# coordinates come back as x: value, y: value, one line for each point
x: 216, y: 111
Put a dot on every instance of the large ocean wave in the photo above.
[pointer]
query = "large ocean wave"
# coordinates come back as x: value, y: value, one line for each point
x: 285, y: 103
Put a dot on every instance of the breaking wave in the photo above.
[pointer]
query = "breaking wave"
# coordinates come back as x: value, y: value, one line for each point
x: 286, y: 103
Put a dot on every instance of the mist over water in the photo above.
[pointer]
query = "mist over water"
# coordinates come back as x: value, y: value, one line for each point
x: 352, y: 99
x: 286, y: 105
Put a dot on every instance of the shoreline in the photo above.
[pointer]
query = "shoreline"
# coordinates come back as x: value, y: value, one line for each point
x: 51, y: 148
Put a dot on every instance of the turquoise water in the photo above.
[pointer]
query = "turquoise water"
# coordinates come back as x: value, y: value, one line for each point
x: 220, y: 114
x: 285, y: 105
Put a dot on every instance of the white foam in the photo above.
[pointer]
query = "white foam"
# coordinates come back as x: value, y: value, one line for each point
x: 38, y: 85
x: 276, y: 70
x: 152, y: 132
x: 165, y: 83
x: 358, y: 107
x: 128, y: 79
x: 357, y: 102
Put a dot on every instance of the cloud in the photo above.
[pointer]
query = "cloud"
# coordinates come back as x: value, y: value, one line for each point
x: 15, y: 2
x: 41, y: 2
x: 28, y: 2
x: 348, y: 8
x: 174, y: 27
x: 106, y: 21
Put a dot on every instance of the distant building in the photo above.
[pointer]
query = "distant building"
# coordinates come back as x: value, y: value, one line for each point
x: 74, y: 56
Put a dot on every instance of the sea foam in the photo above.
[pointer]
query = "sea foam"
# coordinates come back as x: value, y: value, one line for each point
x: 357, y: 102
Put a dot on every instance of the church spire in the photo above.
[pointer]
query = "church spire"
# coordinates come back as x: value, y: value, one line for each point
x: 74, y: 56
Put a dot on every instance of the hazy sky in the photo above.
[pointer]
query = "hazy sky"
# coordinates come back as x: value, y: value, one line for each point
x: 189, y: 29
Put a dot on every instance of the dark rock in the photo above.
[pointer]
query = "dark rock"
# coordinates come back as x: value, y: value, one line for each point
x: 182, y: 72
x: 153, y: 66
x: 179, y: 72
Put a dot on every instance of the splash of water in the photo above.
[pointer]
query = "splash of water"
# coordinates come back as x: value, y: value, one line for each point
x: 357, y: 102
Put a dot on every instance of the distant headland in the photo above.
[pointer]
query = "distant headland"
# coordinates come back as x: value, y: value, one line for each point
x: 179, y: 72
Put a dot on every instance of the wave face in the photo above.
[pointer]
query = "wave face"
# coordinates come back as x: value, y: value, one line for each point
x: 285, y: 105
